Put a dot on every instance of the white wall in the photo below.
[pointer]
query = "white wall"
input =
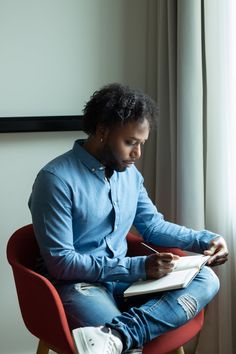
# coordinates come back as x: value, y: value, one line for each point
x: 21, y: 156
x: 55, y: 53
x: 44, y: 70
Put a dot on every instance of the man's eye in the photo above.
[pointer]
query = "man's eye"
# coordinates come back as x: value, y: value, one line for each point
x: 130, y: 143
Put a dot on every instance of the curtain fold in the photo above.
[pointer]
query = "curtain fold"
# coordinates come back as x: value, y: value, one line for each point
x: 220, y: 213
x: 161, y: 85
x: 190, y: 183
x: 189, y: 164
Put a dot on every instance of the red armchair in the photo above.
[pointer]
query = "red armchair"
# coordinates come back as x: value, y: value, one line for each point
x: 42, y: 309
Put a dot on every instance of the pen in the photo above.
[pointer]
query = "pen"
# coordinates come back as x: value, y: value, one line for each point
x: 150, y: 248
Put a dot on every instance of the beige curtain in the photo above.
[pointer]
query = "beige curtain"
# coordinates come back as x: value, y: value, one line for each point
x: 220, y: 210
x: 188, y: 162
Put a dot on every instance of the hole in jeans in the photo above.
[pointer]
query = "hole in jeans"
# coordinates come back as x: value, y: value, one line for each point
x: 88, y: 289
x: 189, y: 304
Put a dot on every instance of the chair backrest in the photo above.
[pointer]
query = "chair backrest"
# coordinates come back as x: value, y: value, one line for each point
x: 40, y: 304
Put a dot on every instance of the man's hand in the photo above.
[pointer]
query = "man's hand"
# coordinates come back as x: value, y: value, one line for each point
x: 159, y: 264
x: 218, y: 251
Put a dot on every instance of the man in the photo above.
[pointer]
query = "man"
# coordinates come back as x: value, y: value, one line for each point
x: 83, y: 204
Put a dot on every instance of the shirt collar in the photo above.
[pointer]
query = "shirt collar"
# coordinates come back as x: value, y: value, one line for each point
x: 86, y: 158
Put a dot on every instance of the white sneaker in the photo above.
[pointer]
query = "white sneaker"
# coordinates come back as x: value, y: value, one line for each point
x: 89, y: 340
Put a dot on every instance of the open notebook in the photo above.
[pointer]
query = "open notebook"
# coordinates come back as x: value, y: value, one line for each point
x: 186, y: 268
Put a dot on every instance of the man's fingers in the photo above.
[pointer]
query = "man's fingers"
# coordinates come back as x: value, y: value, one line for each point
x: 218, y: 251
x: 218, y: 259
x: 168, y: 257
x: 212, y: 249
x: 160, y: 264
x: 167, y: 265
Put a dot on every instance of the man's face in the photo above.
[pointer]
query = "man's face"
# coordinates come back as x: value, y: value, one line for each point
x: 122, y: 145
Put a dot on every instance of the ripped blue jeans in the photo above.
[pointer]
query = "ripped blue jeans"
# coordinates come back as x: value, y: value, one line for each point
x: 141, y: 318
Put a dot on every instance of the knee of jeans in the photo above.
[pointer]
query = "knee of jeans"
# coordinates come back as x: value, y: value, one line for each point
x: 192, y: 304
x: 212, y: 283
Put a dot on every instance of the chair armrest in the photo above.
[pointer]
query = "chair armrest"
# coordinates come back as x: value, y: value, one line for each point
x: 135, y: 248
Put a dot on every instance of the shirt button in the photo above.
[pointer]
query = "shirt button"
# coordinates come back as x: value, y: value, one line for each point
x: 114, y: 203
x: 93, y: 169
x: 116, y: 227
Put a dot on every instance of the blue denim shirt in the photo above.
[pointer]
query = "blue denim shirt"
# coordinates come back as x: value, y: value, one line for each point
x: 81, y: 220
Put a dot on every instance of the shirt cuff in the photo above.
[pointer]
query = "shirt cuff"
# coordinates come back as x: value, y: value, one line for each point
x: 137, y: 269
x: 205, y: 239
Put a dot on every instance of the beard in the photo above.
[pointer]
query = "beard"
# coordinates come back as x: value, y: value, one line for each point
x: 110, y: 161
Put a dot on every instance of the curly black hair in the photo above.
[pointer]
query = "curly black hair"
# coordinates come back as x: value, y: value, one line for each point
x: 116, y: 104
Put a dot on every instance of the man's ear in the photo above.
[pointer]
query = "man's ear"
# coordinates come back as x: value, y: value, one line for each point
x: 102, y: 132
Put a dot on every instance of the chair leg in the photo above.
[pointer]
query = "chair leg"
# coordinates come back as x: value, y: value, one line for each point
x: 180, y: 350
x: 42, y: 348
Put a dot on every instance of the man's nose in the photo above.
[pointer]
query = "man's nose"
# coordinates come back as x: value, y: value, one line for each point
x: 136, y: 152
